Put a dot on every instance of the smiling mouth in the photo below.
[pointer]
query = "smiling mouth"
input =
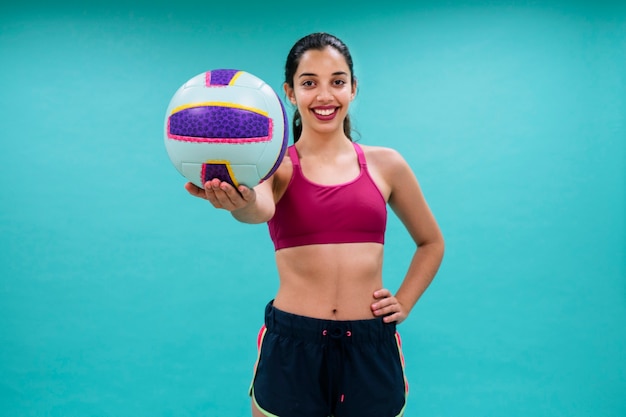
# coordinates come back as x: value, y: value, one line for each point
x: 325, y: 114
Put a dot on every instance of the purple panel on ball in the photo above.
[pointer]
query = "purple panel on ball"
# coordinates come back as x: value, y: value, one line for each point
x: 220, y: 77
x: 218, y: 122
x: 219, y: 170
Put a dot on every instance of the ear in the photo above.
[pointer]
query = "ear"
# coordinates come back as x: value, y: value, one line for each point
x: 289, y: 93
x: 354, y: 83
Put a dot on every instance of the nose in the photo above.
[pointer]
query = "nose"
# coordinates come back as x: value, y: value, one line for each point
x: 324, y: 95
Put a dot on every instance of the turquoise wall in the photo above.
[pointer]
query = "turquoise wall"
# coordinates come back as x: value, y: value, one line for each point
x: 120, y: 295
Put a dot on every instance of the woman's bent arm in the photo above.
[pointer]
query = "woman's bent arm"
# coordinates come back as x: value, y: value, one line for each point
x: 407, y: 201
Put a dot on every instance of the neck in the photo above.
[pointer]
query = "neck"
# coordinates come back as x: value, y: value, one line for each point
x: 323, y: 145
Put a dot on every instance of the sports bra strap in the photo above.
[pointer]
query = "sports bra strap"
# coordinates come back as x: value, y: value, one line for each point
x: 360, y: 154
x: 293, y: 154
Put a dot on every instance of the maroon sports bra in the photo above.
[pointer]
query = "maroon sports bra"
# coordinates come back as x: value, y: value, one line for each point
x: 310, y: 213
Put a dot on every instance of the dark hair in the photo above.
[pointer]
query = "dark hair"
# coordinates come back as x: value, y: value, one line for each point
x: 317, y: 41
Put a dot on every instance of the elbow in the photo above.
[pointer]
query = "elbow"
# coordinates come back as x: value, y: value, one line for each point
x: 434, y: 243
x: 249, y: 219
x: 440, y: 243
x: 252, y: 216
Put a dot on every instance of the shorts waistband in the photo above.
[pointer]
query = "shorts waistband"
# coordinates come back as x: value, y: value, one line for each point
x: 318, y: 330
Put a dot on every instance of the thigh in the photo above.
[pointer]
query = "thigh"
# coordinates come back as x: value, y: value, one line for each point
x: 256, y: 412
x: 287, y: 380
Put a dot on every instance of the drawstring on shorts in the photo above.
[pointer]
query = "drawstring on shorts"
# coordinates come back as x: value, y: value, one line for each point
x: 335, y: 353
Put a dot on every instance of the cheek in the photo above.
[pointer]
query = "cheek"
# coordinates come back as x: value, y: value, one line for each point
x: 301, y: 99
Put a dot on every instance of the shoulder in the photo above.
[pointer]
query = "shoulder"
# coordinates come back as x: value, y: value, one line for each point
x: 281, y: 177
x: 389, y: 170
x: 285, y: 168
x: 386, y: 160
x: 380, y: 152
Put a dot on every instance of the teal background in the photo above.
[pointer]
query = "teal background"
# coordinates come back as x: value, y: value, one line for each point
x: 120, y: 295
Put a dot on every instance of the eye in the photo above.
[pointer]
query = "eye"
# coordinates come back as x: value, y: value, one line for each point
x: 307, y: 83
x: 339, y: 82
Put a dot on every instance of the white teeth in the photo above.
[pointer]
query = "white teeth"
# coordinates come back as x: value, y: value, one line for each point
x: 326, y: 112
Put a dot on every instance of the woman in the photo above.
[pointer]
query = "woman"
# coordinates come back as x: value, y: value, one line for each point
x: 329, y: 346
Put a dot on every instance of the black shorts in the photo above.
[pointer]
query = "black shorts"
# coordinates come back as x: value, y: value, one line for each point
x: 309, y: 367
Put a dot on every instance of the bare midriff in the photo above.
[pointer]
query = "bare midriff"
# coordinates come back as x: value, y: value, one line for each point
x: 329, y: 281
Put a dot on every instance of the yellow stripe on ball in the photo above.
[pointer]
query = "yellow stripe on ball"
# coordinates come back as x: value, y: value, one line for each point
x: 237, y: 75
x: 218, y: 104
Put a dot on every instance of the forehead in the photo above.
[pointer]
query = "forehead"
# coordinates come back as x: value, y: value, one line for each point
x: 327, y: 60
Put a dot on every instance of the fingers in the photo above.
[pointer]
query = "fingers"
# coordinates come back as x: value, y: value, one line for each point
x: 194, y: 190
x: 382, y: 293
x: 222, y: 194
x: 246, y: 193
x: 219, y: 194
x: 388, y: 307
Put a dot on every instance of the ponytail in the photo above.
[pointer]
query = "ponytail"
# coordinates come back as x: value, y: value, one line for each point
x: 296, y: 126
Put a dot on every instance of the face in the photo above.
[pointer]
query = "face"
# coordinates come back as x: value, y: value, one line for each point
x: 322, y: 90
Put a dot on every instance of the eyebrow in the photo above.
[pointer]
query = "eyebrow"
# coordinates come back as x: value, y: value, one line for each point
x: 310, y: 74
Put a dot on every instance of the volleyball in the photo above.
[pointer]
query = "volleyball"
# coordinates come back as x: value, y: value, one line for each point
x: 226, y: 124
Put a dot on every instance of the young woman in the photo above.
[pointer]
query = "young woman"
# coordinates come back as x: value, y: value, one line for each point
x: 329, y: 345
